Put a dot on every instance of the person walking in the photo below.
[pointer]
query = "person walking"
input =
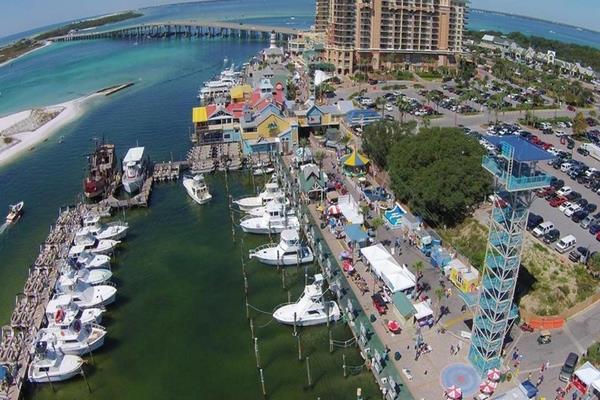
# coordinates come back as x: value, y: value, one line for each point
x: 458, y: 346
x: 451, y: 349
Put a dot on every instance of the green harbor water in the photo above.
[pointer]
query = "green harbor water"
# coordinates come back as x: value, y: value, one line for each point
x: 178, y: 329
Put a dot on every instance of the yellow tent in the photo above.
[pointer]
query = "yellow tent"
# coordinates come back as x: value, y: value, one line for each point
x: 355, y: 159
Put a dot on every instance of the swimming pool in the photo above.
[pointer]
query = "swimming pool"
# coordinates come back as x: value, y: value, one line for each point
x: 394, y: 216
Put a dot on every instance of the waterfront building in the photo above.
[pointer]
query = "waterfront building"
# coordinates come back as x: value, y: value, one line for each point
x: 318, y: 118
x: 273, y: 54
x: 321, y: 15
x: 380, y: 34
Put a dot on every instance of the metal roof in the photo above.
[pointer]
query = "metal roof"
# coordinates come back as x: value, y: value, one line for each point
x: 524, y: 151
x: 134, y: 154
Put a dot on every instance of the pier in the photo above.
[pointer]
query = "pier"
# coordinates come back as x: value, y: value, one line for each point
x: 139, y: 200
x: 169, y: 171
x: 215, y: 157
x: 186, y: 28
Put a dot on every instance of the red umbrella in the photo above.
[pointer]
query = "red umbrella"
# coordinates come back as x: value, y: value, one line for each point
x: 454, y: 392
x: 347, y: 266
x: 393, y: 326
x: 488, y: 387
x: 333, y: 210
x: 493, y: 374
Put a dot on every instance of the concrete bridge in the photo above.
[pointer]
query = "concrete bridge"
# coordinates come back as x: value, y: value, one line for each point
x: 186, y: 28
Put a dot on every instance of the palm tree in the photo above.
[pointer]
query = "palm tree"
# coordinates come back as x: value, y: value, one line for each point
x: 380, y: 102
x: 319, y: 157
x: 439, y: 294
x: 418, y: 267
x: 403, y: 107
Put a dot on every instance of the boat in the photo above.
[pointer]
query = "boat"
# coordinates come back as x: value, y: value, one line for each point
x: 196, y: 188
x: 289, y: 251
x: 259, y: 211
x: 93, y: 245
x: 87, y: 260
x: 248, y: 203
x: 111, y: 231
x: 275, y: 219
x: 102, y: 166
x: 69, y: 276
x: 62, y: 311
x: 52, y: 366
x: 263, y: 171
x: 220, y: 86
x: 310, y: 309
x: 77, y: 339
x: 86, y: 296
x: 15, y: 211
x: 134, y: 170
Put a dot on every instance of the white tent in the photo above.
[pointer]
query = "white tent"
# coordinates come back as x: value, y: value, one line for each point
x: 423, y: 310
x: 349, y: 208
x: 321, y: 76
x: 397, y: 277
x: 587, y: 374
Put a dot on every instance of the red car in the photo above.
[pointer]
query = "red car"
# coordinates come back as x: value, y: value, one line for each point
x: 379, y: 303
x: 558, y: 201
x: 545, y: 145
x: 545, y: 192
x: 571, y: 108
x: 534, y: 139
x: 598, y: 236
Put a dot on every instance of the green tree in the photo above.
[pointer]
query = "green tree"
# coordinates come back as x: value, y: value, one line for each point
x: 419, y: 267
x: 579, y: 124
x: 593, y: 114
x: 439, y: 294
x: 319, y: 157
x: 438, y: 173
x: 376, y: 223
x: 380, y: 104
x: 404, y: 107
x: 378, y: 139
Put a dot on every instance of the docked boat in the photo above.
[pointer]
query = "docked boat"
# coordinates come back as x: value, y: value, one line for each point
x: 87, y: 260
x: 52, y: 366
x: 310, y: 309
x: 220, y: 86
x: 275, y: 219
x: 86, y: 296
x: 263, y: 171
x: 248, y: 203
x: 259, y: 211
x: 134, y: 170
x: 111, y: 231
x: 69, y: 276
x: 101, y: 170
x: 15, y: 211
x: 77, y: 339
x: 93, y: 245
x: 196, y: 188
x: 289, y: 251
x: 62, y: 311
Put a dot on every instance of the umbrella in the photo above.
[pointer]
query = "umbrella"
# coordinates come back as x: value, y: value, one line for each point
x: 454, y: 392
x: 393, y: 325
x: 488, y: 387
x: 493, y: 374
x: 333, y: 210
x: 355, y: 159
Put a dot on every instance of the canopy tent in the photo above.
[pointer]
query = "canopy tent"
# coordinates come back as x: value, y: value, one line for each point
x: 396, y: 277
x: 355, y: 160
x: 354, y: 233
x: 349, y: 208
x: 423, y: 310
x: 403, y: 305
x: 585, y: 376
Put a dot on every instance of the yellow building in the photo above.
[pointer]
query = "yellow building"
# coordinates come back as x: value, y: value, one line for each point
x: 465, y: 278
x: 269, y: 132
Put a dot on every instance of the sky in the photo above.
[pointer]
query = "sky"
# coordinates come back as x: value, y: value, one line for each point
x: 22, y: 15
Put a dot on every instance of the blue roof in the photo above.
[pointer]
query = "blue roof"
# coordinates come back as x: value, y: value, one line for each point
x: 524, y: 151
x: 367, y: 115
x: 355, y: 233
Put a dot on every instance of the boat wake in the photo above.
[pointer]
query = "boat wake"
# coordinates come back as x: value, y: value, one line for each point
x: 4, y: 227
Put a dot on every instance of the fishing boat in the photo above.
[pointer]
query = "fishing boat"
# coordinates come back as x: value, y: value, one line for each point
x: 52, y: 366
x: 263, y: 171
x: 69, y: 276
x: 93, y: 245
x: 15, y: 211
x: 62, y: 311
x: 77, y: 339
x: 86, y: 296
x: 248, y: 203
x: 275, y: 219
x: 102, y: 165
x: 134, y: 170
x: 289, y: 251
x: 111, y: 231
x: 87, y: 260
x: 310, y: 309
x: 196, y: 188
x: 259, y: 211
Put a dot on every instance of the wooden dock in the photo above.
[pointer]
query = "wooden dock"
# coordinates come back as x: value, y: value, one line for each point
x: 17, y: 339
x: 169, y: 171
x: 139, y: 200
x: 215, y: 157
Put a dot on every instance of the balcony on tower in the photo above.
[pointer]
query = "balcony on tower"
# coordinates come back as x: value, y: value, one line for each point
x: 515, y: 165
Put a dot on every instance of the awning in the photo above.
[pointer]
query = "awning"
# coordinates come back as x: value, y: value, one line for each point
x: 403, y: 305
x: 423, y: 310
x: 397, y: 277
x: 587, y: 373
x: 199, y: 114
x: 355, y: 159
x: 355, y: 233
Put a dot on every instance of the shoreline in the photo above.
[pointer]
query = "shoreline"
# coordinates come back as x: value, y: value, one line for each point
x: 7, y: 62
x: 24, y: 141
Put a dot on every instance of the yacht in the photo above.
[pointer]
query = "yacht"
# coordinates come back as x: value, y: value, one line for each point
x: 259, y: 211
x: 69, y: 276
x: 86, y: 296
x: 134, y: 170
x: 87, y: 260
x: 310, y: 309
x: 248, y: 203
x: 15, y: 212
x: 263, y: 171
x: 274, y: 220
x: 289, y: 251
x: 77, y: 339
x: 111, y: 231
x: 52, y: 366
x: 93, y: 245
x: 197, y: 189
x: 220, y: 86
x: 62, y: 311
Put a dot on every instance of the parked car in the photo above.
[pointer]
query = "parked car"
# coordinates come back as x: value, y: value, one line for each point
x: 587, y: 221
x: 558, y: 201
x: 570, y: 363
x: 566, y: 243
x: 578, y: 216
x: 542, y: 229
x: 591, y: 207
x: 594, y: 228
x: 573, y: 196
x: 569, y: 211
x: 379, y: 303
x: 564, y: 206
x: 564, y: 191
x: 551, y: 236
x: 533, y: 220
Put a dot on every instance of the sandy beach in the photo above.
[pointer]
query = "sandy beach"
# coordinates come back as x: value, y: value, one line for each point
x: 24, y: 141
x: 46, y: 44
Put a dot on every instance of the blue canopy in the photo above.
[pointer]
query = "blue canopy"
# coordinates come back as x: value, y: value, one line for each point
x: 530, y: 389
x: 355, y: 233
x: 3, y: 372
x: 524, y: 151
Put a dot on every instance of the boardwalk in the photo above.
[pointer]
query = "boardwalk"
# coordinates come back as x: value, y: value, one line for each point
x: 139, y: 200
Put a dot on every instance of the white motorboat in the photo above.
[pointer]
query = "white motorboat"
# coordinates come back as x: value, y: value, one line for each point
x: 62, y: 311
x: 69, y: 276
x: 86, y: 296
x: 52, y: 366
x: 93, y: 245
x: 263, y: 171
x: 87, y: 260
x: 271, y: 191
x: 111, y: 231
x: 15, y: 212
x: 196, y: 188
x: 134, y: 170
x: 77, y: 339
x: 259, y: 211
x: 310, y: 309
x: 274, y: 220
x: 289, y: 251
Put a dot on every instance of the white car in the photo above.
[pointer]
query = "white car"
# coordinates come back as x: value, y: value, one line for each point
x: 564, y: 191
x: 552, y: 151
x: 590, y: 172
x: 560, y: 133
x: 389, y: 107
x: 564, y: 206
x: 572, y: 209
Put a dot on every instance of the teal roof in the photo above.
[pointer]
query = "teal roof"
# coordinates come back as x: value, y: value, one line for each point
x: 403, y: 305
